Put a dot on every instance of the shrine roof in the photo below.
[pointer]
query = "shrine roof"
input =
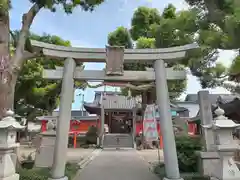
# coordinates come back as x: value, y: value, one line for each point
x: 111, y: 103
x: 230, y: 103
x: 118, y: 102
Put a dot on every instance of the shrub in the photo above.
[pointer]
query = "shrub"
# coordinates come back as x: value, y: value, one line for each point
x: 44, y: 173
x: 91, y: 135
x: 81, y: 140
x: 159, y: 170
x: 186, y: 152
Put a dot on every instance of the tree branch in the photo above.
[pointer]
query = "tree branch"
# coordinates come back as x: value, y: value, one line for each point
x: 215, y: 15
x: 27, y: 20
x: 27, y: 55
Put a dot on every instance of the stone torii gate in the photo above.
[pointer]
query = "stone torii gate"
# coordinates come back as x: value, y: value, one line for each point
x: 114, y: 58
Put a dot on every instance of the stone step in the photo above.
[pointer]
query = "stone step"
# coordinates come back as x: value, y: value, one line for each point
x: 118, y: 141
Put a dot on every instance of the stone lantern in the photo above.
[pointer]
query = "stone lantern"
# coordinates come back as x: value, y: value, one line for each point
x: 8, y: 131
x: 225, y: 146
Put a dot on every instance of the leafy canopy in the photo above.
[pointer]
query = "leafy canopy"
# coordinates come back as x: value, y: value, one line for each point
x: 34, y: 95
x: 150, y: 29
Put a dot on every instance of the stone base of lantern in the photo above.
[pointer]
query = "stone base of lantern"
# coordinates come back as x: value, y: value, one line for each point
x: 172, y: 179
x: 228, y: 167
x: 12, y: 177
x: 62, y: 178
x: 208, y: 163
x: 44, y: 154
x: 7, y: 164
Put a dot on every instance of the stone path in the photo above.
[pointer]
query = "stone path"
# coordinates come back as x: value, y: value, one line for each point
x: 151, y: 155
x: 117, y: 165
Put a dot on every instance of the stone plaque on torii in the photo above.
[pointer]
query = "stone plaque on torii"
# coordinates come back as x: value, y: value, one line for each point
x: 114, y: 72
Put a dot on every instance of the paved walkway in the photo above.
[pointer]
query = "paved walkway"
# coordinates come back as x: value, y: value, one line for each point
x: 117, y: 165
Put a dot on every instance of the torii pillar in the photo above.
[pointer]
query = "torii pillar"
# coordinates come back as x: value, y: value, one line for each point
x: 169, y: 149
x: 63, y: 123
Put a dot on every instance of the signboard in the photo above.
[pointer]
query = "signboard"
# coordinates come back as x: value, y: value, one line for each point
x: 150, y: 124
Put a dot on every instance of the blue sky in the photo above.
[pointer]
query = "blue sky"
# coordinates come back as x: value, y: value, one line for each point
x: 86, y: 29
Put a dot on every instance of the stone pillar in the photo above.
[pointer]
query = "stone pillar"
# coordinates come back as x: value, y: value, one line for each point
x: 102, y: 124
x: 208, y: 158
x: 206, y: 119
x: 45, y: 151
x: 63, y: 123
x: 134, y: 117
x: 8, y: 159
x: 169, y: 150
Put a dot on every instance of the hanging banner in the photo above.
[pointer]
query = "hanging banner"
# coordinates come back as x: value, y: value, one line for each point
x: 150, y: 124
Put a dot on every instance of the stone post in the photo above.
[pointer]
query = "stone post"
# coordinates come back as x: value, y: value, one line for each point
x: 169, y: 150
x: 134, y: 117
x: 206, y: 119
x: 45, y: 151
x: 226, y: 146
x: 61, y: 145
x: 8, y: 159
x: 102, y: 124
x: 209, y: 158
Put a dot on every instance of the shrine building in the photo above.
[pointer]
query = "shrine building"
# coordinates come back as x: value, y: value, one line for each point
x: 118, y: 111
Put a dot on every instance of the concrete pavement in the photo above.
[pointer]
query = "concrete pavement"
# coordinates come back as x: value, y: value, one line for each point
x: 117, y: 165
x: 151, y: 155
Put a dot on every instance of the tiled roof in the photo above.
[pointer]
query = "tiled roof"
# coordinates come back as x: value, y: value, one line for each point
x: 227, y: 98
x: 118, y: 102
x: 74, y: 113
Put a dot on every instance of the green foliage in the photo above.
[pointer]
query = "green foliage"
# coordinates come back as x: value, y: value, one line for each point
x: 81, y: 140
x: 186, y: 152
x: 150, y: 29
x: 142, y: 20
x: 87, y: 5
x: 91, y: 135
x: 35, y: 96
x: 44, y: 173
x: 219, y: 28
x: 120, y: 37
x: 144, y: 42
x: 235, y: 66
x: 159, y: 170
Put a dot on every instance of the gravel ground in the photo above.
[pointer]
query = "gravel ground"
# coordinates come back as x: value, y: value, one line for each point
x: 74, y: 155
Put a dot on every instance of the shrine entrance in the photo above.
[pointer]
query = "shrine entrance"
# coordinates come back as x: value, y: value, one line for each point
x: 119, y: 122
x: 115, y: 58
x: 121, y: 126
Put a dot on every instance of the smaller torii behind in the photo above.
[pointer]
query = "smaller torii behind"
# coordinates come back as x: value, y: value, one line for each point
x: 114, y: 57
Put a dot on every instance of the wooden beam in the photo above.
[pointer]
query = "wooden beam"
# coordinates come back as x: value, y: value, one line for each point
x: 99, y: 75
x: 99, y: 54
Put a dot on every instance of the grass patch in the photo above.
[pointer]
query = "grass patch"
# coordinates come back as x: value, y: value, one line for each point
x: 159, y: 170
x: 44, y: 173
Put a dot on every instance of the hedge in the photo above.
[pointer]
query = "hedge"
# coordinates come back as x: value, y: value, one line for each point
x: 44, y: 173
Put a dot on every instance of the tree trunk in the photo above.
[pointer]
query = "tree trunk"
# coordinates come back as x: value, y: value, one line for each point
x: 5, y: 77
x: 11, y: 66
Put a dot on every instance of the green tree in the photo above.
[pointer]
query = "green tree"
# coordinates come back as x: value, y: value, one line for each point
x: 147, y: 24
x: 219, y: 29
x: 35, y: 96
x: 11, y: 65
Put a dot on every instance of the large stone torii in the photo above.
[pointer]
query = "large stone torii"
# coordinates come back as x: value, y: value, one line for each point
x: 114, y: 58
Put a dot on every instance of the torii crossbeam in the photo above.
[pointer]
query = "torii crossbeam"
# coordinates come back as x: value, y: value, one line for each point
x: 99, y: 75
